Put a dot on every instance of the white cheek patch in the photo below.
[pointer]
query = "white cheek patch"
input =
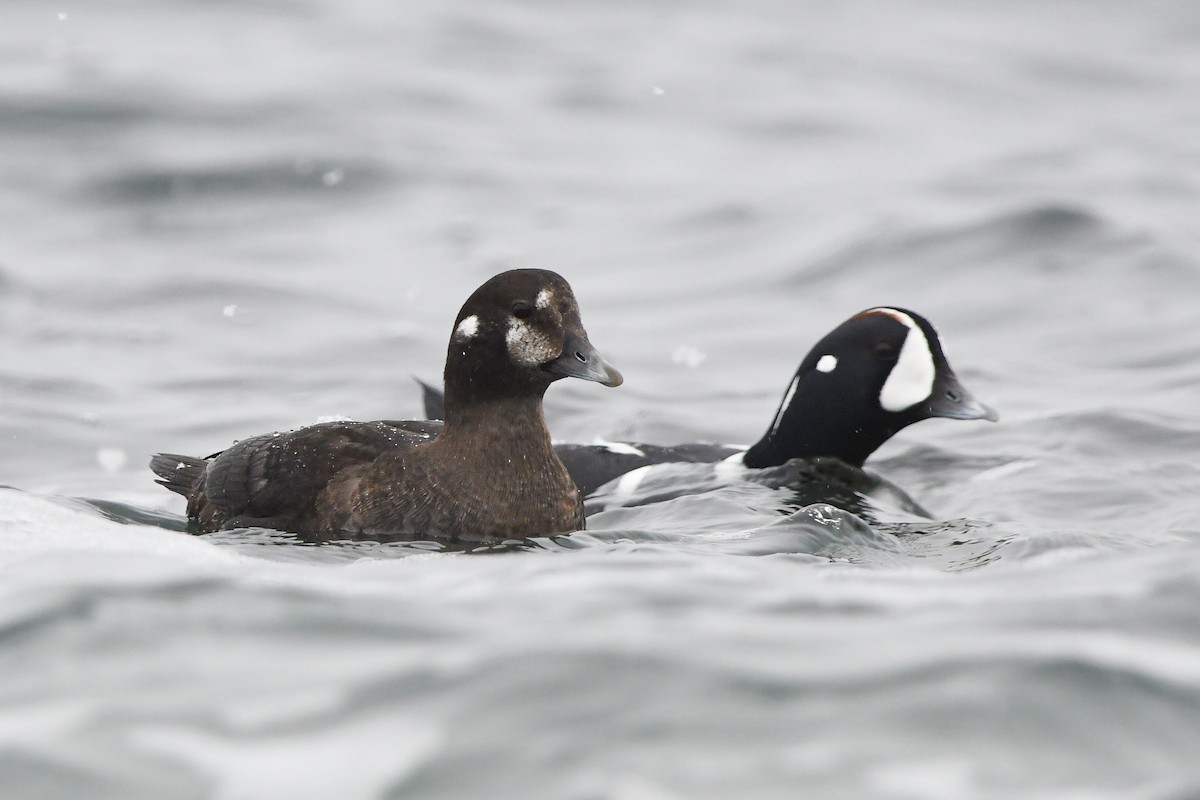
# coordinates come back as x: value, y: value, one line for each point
x: 467, y: 328
x: 544, y: 298
x: 911, y: 379
x: 526, y: 346
x: 827, y: 363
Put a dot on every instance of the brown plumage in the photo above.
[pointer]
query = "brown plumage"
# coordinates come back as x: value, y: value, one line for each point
x: 489, y: 474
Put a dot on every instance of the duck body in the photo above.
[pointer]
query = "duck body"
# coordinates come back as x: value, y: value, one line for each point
x: 488, y: 473
x: 878, y: 372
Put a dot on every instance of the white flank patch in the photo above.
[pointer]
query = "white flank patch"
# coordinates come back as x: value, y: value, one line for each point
x: 543, y: 299
x: 911, y: 380
x: 618, y: 447
x: 787, y: 398
x: 827, y: 363
x: 731, y: 468
x: 468, y: 327
x: 628, y: 483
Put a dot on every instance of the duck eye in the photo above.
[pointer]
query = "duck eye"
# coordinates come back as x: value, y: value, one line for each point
x: 885, y: 351
x: 522, y: 310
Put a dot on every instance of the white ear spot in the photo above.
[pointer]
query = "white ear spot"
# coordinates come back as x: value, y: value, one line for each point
x: 911, y: 379
x: 827, y: 363
x: 543, y: 299
x: 467, y: 328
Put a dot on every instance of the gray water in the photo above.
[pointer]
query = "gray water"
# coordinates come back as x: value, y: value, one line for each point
x: 221, y: 219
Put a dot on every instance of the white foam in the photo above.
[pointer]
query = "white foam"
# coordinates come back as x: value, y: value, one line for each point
x: 55, y: 541
x: 937, y: 778
x: 32, y: 526
x: 296, y: 763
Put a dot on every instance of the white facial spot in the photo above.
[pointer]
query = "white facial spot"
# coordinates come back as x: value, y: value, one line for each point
x: 827, y: 363
x: 911, y: 379
x: 543, y: 299
x: 467, y: 328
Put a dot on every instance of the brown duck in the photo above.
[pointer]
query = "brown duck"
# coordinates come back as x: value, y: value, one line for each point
x: 489, y: 474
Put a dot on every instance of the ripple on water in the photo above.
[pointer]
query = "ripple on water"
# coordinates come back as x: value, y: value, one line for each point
x: 264, y: 179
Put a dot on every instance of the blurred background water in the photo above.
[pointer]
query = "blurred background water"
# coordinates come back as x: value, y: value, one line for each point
x: 221, y: 219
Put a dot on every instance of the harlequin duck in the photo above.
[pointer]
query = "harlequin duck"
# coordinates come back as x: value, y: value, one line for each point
x: 879, y: 371
x: 490, y: 473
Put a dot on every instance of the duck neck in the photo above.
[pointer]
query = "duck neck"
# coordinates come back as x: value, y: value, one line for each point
x: 522, y: 427
x: 807, y: 427
x: 513, y: 427
x: 526, y: 490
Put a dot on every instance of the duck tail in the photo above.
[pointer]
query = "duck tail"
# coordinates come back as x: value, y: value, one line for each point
x: 434, y: 400
x: 178, y: 473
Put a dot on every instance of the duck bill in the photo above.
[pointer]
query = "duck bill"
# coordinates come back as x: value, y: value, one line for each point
x: 951, y: 400
x: 580, y: 359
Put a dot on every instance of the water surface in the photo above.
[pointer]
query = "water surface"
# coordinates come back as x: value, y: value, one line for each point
x: 226, y: 219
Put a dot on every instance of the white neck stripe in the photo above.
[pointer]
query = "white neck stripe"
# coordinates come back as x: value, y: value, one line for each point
x: 787, y: 399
